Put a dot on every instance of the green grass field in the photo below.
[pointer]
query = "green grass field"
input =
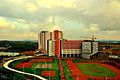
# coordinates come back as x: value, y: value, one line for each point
x: 55, y: 67
x: 96, y: 70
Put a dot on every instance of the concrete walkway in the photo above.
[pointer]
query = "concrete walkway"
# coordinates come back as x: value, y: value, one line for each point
x: 17, y: 71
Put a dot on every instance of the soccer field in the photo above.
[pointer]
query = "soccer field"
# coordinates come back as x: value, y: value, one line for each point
x: 96, y: 70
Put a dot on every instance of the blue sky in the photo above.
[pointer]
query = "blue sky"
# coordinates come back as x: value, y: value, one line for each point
x: 24, y: 19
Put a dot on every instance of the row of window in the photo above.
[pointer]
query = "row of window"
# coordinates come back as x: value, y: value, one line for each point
x: 71, y: 50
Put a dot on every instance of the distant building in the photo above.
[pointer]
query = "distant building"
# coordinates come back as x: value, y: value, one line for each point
x: 109, y: 47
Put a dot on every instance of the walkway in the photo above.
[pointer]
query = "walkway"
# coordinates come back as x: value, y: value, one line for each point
x: 17, y: 71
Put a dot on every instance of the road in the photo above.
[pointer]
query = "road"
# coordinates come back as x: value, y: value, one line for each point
x: 21, y: 72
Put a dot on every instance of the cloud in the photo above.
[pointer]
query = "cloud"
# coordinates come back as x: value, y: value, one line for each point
x: 5, y: 25
x: 115, y: 4
x: 93, y: 28
x: 31, y: 7
x: 54, y: 3
x: 32, y: 16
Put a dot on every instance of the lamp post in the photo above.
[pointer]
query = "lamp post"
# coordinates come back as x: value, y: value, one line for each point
x: 77, y: 76
x: 105, y: 77
x: 49, y: 74
x: 24, y: 66
x: 70, y: 72
x: 34, y: 72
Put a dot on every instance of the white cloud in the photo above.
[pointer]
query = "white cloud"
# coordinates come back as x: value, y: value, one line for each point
x: 53, y: 3
x: 5, y: 25
x: 32, y: 16
x: 31, y: 7
x: 115, y: 5
x: 94, y: 27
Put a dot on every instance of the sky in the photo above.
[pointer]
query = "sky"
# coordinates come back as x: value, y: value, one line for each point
x: 24, y: 19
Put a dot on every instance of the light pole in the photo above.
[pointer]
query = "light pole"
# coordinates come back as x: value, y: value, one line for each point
x: 49, y: 71
x: 49, y: 74
x: 24, y: 66
x: 34, y: 72
x: 70, y: 72
x: 76, y: 75
x: 105, y: 76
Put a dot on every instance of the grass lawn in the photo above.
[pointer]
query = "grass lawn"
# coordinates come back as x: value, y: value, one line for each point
x: 80, y: 60
x: 55, y: 67
x: 96, y: 70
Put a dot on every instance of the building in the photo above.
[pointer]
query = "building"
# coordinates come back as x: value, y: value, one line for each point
x: 50, y: 47
x: 71, y: 48
x: 78, y: 48
x: 109, y: 47
x: 55, y: 36
x: 58, y: 35
x: 54, y: 45
x: 42, y: 40
x: 89, y: 48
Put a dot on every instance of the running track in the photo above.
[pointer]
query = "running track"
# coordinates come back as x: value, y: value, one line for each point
x: 78, y: 75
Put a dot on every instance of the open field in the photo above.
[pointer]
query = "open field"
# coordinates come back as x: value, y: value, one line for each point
x: 96, y: 70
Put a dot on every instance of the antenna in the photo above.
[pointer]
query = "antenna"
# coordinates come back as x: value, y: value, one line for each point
x: 53, y: 21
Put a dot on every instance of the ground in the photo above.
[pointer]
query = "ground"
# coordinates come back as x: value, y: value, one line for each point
x: 68, y: 69
x: 41, y: 66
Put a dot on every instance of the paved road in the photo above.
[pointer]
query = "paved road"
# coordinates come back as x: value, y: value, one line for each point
x: 17, y: 71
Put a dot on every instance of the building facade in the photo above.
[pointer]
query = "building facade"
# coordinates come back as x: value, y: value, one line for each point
x: 50, y: 48
x: 42, y: 41
x: 70, y: 48
x: 55, y: 36
x: 54, y: 44
x: 89, y: 48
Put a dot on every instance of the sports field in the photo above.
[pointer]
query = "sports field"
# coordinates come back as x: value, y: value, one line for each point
x: 95, y: 70
x: 49, y: 70
x: 46, y: 65
x: 55, y: 69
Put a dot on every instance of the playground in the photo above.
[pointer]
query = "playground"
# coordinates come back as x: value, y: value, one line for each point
x: 67, y: 69
x: 46, y: 67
